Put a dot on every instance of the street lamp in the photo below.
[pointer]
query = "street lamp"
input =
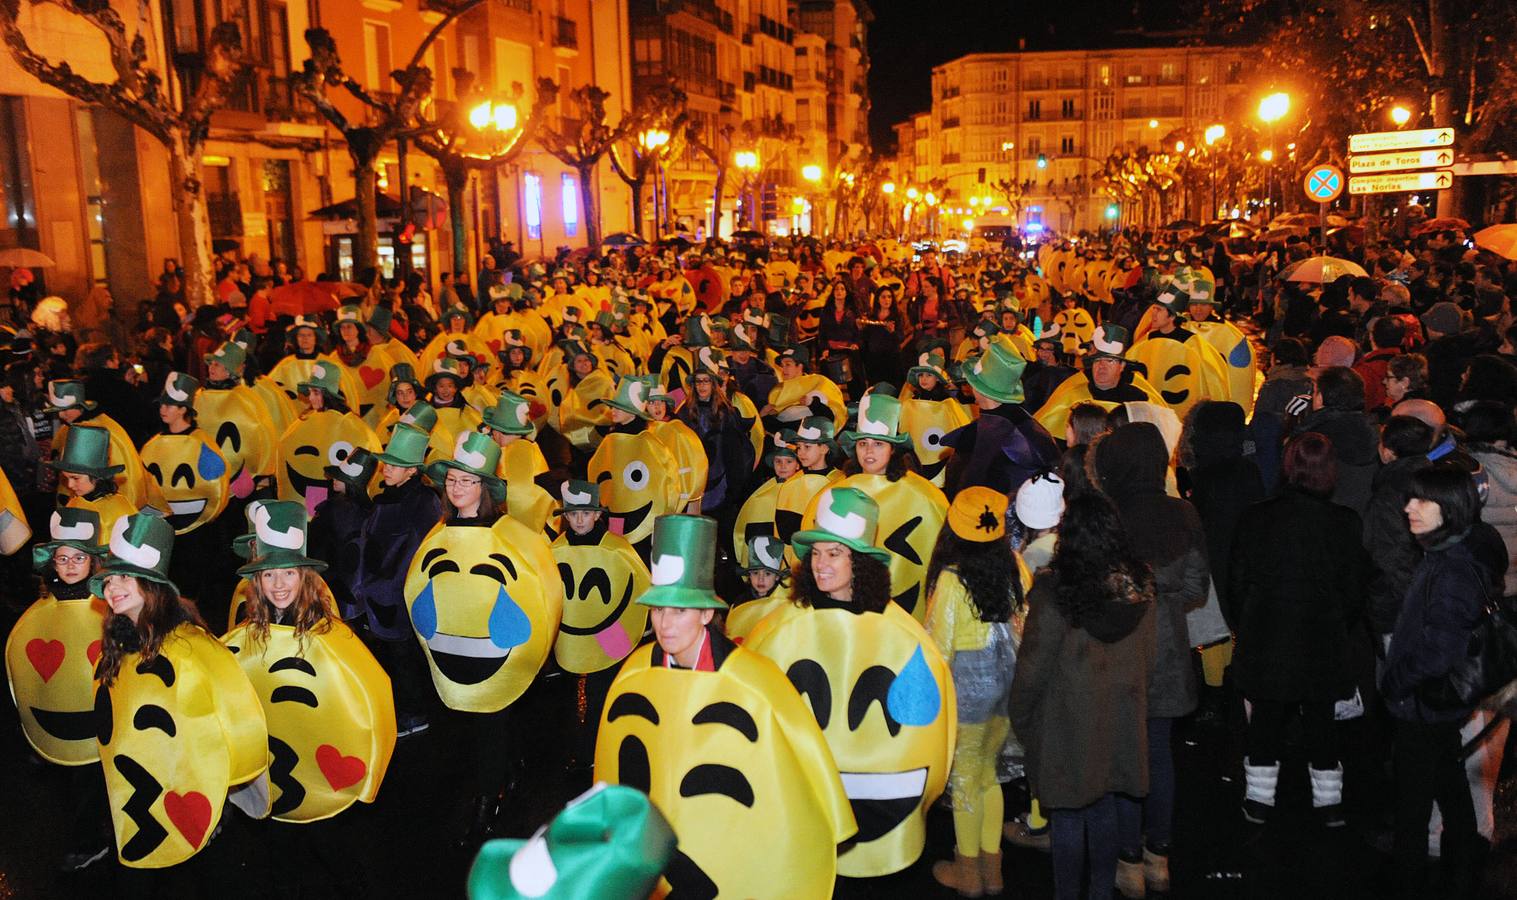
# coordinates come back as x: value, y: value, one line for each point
x: 653, y: 139
x: 747, y: 162
x: 887, y: 188
x: 912, y: 193
x: 501, y: 115
x: 1267, y: 155
x: 1400, y: 115
x: 811, y: 172
x: 1215, y: 133
x: 1271, y: 110
x: 1153, y: 123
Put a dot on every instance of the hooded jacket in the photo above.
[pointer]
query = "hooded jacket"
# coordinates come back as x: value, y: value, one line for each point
x: 1219, y: 481
x: 1500, y: 510
x: 399, y: 520
x: 1129, y: 466
x: 1356, y: 446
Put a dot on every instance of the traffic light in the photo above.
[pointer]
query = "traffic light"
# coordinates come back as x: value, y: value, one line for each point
x: 769, y: 204
x: 1042, y: 161
x: 1112, y: 211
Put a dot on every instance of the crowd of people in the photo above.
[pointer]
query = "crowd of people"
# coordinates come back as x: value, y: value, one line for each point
x: 1046, y: 505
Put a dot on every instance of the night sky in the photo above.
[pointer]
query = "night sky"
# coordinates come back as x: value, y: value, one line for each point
x: 909, y: 37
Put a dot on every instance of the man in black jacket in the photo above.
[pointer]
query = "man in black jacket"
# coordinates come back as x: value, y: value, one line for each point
x: 99, y: 365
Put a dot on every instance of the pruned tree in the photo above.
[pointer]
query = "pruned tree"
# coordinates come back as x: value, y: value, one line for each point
x: 633, y: 158
x: 178, y: 119
x: 581, y: 142
x: 762, y: 135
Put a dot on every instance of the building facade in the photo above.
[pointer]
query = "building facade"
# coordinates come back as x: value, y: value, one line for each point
x: 1044, y: 122
x: 92, y: 191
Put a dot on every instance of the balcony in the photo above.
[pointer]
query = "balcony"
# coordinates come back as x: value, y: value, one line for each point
x: 522, y: 5
x: 951, y: 122
x: 1170, y: 79
x: 565, y: 33
x: 1071, y: 84
x: 951, y: 158
x: 950, y: 92
x: 726, y: 92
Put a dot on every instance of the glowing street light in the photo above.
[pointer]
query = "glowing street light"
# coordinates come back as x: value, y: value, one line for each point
x: 798, y: 203
x: 968, y: 224
x: 931, y: 199
x: 1400, y: 115
x: 887, y: 188
x: 912, y: 193
x: 1179, y: 146
x: 501, y: 115
x: 653, y: 139
x: 811, y: 172
x: 1274, y: 107
x: 1215, y: 133
x: 1267, y: 155
x: 747, y: 160
x: 974, y: 201
x: 1153, y: 123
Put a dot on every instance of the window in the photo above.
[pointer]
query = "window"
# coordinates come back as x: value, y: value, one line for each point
x: 1067, y: 108
x: 1103, y: 74
x: 376, y: 56
x: 1034, y: 146
x: 1034, y: 109
x: 1067, y: 145
x: 471, y: 53
x: 532, y: 199
x: 570, y: 202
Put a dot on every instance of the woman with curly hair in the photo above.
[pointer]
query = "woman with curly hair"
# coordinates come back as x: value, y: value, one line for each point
x: 1079, y: 702
x: 976, y: 587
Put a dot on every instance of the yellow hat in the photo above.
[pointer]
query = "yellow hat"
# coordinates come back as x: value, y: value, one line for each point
x: 978, y: 514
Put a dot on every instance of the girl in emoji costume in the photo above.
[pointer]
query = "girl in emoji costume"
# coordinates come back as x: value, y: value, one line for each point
x: 324, y: 435
x: 369, y: 369
x: 720, y: 741
x: 235, y: 418
x: 84, y: 471
x: 177, y: 721
x: 328, y: 705
x: 485, y: 603
x: 848, y: 648
x: 976, y: 586
x: 689, y: 454
x: 307, y: 338
x: 509, y: 424
x: 50, y: 663
x: 66, y: 399
x: 188, y: 468
x: 767, y: 578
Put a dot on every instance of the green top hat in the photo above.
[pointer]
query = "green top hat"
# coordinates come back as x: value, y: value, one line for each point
x: 511, y: 414
x: 231, y: 355
x: 997, y: 373
x: 574, y: 314
x: 778, y: 330
x: 710, y: 361
x: 421, y: 416
x: 799, y: 354
x: 356, y: 471
x: 70, y: 526
x: 579, y: 496
x: 1052, y: 335
x: 610, y: 843
x: 879, y: 419
x: 698, y: 331
x: 454, y: 312
x: 402, y: 373
x: 140, y: 546
x: 446, y: 367
x: 475, y: 454
x: 742, y: 337
x: 279, y: 538
x: 244, y: 338
x: 311, y: 324
x: 755, y: 317
x: 348, y: 313
x: 765, y: 553
x: 457, y: 349
x: 575, y: 349
x: 779, y: 444
x: 1109, y: 342
x: 985, y: 329
x: 682, y: 560
x: 657, y: 393
x: 379, y: 320
x: 631, y: 397
x: 179, y: 389
x: 66, y: 394
x: 847, y: 516
x: 407, y: 447
x: 511, y: 339
x: 816, y: 430
x: 324, y: 377
x: 87, y: 451
x: 931, y: 362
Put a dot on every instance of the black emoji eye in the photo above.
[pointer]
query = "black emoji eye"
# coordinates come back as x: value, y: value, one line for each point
x: 184, y: 475
x: 731, y: 715
x: 872, y: 687
x: 714, y: 779
x: 632, y: 705
x: 293, y: 663
x: 156, y: 472
x: 160, y: 666
x: 811, y: 682
x: 632, y: 764
x: 104, y: 721
x: 596, y: 580
x: 228, y: 435
x: 307, y: 450
x: 291, y: 694
x: 899, y: 541
x: 151, y: 716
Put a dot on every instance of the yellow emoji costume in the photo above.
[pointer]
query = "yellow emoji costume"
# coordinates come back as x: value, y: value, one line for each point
x: 638, y: 480
x: 927, y: 421
x: 316, y: 440
x: 601, y: 622
x: 192, y: 474
x: 238, y: 423
x: 14, y: 530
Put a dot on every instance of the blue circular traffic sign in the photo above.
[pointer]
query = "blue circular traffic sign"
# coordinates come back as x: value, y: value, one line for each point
x: 1324, y: 183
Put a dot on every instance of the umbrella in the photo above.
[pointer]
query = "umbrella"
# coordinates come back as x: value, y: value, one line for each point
x: 303, y: 298
x: 25, y: 258
x: 747, y: 234
x: 677, y: 240
x: 1442, y: 223
x: 622, y: 239
x: 1179, y: 225
x: 1499, y: 239
x: 1297, y: 220
x: 1323, y: 269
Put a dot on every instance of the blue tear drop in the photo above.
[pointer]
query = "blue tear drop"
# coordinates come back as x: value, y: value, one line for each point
x: 424, y: 613
x: 210, y: 464
x: 1242, y: 356
x: 913, y: 698
x: 509, y: 626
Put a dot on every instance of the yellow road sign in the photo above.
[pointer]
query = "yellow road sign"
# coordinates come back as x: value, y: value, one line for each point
x: 1403, y: 159
x: 1400, y: 182
x: 1376, y: 141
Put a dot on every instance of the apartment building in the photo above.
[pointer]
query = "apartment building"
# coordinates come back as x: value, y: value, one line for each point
x: 1045, y: 120
x: 844, y: 25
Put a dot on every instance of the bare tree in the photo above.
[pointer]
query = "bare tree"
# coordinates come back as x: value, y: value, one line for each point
x: 178, y: 119
x: 580, y: 143
x: 661, y: 109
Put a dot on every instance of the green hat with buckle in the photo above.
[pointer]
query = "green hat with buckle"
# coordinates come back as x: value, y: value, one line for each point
x: 422, y: 415
x: 140, y: 546
x: 179, y: 389
x: 87, y: 451
x: 350, y: 312
x: 279, y: 538
x: 610, y: 843
x: 779, y: 444
x: 681, y: 563
x: 575, y: 349
x: 379, y: 320
x: 66, y: 394
x: 446, y: 367
x: 455, y: 312
x: 312, y: 325
x: 846, y: 516
x: 816, y: 430
x: 231, y: 355
x: 70, y: 526
x: 631, y: 397
x: 402, y: 373
x: 743, y: 337
x: 997, y: 373
x: 324, y: 377
x: 879, y: 419
x: 407, y: 447
x: 511, y: 414
x: 476, y: 454
x: 1109, y: 342
x: 356, y: 471
x: 698, y: 331
x: 766, y: 553
x: 709, y: 361
x: 800, y: 355
x: 932, y: 362
x: 511, y: 339
x: 579, y: 496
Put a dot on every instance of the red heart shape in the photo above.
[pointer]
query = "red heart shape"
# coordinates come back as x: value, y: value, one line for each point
x: 46, y: 656
x: 494, y: 346
x: 341, y: 771
x: 370, y: 376
x: 190, y: 813
x: 93, y: 652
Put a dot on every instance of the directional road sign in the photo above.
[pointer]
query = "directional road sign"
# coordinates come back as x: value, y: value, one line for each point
x: 1376, y: 141
x: 1403, y: 159
x: 1323, y: 183
x: 1400, y: 182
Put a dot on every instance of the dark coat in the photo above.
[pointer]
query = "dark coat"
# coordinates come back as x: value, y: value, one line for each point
x: 1001, y: 449
x: 1296, y: 587
x: 132, y: 408
x: 398, y: 521
x: 1356, y: 446
x: 1392, y: 549
x: 1432, y: 634
x: 1079, y: 702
